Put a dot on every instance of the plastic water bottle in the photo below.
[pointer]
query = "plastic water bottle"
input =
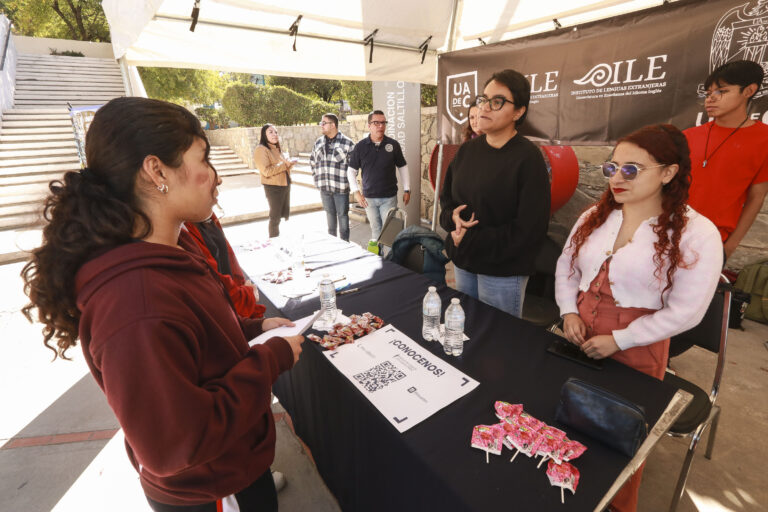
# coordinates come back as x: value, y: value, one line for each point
x: 454, y: 329
x: 431, y: 309
x: 327, y: 300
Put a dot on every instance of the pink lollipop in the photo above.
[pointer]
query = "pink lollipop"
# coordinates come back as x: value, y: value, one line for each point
x: 522, y: 438
x: 568, y: 450
x: 549, y: 440
x: 487, y: 438
x: 506, y: 410
x: 564, y: 476
x: 529, y: 421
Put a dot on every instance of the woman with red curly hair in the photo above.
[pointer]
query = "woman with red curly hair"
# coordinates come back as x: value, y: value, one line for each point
x: 640, y: 265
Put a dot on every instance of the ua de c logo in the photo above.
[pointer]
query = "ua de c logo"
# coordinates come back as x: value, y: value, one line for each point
x: 461, y: 91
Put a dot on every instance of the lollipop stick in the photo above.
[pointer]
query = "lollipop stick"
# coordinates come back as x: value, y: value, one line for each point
x: 543, y: 458
x: 562, y: 497
x: 515, y: 455
x: 486, y: 455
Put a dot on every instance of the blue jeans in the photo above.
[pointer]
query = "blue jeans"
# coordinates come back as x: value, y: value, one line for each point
x: 377, y: 211
x: 504, y: 293
x: 336, y: 206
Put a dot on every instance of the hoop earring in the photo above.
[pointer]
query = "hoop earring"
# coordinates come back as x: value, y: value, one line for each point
x: 163, y: 188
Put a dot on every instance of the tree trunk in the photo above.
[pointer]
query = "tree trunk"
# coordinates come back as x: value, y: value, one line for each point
x: 77, y: 12
x: 70, y: 26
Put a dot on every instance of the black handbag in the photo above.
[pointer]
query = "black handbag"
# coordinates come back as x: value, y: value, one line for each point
x: 602, y: 415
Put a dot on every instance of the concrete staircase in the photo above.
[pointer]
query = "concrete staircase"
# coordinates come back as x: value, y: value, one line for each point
x: 226, y: 162
x: 37, y: 143
x: 44, y: 81
x: 301, y: 174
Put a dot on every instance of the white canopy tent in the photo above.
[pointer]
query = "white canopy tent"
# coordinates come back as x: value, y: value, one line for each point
x: 333, y: 38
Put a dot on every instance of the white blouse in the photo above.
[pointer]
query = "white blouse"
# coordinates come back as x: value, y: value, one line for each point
x: 632, y: 279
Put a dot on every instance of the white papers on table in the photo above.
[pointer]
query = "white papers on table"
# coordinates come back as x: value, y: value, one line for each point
x: 403, y: 380
x: 299, y: 327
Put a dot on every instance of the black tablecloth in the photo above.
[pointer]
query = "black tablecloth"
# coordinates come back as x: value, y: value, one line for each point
x: 369, y: 466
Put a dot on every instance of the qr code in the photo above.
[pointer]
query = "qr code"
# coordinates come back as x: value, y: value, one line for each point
x: 379, y: 377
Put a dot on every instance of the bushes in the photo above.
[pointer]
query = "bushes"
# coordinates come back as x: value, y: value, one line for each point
x: 216, y: 118
x: 252, y: 105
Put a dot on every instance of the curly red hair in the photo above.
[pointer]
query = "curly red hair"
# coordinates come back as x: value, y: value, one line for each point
x: 667, y: 145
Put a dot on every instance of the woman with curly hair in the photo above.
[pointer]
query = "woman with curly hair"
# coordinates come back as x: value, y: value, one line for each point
x: 640, y: 265
x: 156, y: 325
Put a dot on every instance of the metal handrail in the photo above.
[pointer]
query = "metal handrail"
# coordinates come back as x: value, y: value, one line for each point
x: 5, y: 46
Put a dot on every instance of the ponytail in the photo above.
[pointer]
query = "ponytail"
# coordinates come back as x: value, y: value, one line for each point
x: 96, y: 209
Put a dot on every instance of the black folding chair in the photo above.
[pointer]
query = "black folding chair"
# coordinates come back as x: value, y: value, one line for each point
x: 392, y: 226
x: 539, y: 306
x: 710, y: 334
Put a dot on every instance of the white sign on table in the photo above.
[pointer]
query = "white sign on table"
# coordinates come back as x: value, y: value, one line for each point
x: 405, y: 382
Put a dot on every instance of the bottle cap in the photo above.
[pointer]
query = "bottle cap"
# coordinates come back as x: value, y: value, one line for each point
x: 454, y: 301
x: 432, y: 289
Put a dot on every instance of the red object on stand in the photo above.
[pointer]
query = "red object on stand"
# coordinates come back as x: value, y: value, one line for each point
x: 562, y: 164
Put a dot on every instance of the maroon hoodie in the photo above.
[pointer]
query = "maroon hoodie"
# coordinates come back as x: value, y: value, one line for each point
x: 162, y: 339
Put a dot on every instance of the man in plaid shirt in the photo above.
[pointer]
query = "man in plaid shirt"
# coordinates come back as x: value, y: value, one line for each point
x: 329, y: 160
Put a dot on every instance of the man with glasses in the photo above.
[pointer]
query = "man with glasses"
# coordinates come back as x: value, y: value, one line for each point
x: 378, y: 156
x: 329, y: 162
x: 729, y: 155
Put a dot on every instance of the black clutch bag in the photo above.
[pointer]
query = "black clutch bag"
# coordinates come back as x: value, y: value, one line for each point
x: 603, y: 415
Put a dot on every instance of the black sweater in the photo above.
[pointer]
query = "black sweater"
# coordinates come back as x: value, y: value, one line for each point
x: 508, y: 191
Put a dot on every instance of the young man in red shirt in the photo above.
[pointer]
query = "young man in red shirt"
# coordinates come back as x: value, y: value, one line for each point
x: 729, y: 156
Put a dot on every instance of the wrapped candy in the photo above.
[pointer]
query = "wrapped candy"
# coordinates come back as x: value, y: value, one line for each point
x: 506, y: 410
x: 564, y: 475
x: 529, y: 421
x: 522, y: 439
x: 568, y: 450
x: 487, y: 438
x: 548, y: 441
x: 339, y: 334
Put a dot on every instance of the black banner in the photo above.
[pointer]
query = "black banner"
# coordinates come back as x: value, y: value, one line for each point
x: 597, y: 82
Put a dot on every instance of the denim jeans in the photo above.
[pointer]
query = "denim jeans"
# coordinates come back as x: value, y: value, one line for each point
x: 377, y: 212
x: 336, y: 206
x: 504, y: 293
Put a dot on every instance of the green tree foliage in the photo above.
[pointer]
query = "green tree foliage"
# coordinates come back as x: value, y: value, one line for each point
x: 428, y: 95
x: 326, y: 90
x: 359, y: 95
x: 216, y: 118
x: 252, y: 105
x: 184, y: 86
x: 81, y: 20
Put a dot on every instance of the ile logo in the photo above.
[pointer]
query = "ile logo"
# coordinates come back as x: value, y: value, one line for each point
x: 461, y: 90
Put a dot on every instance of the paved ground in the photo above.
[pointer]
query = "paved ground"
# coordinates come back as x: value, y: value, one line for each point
x: 61, y: 448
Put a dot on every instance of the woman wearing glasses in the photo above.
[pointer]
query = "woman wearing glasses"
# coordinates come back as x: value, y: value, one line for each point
x: 640, y: 265
x: 495, y: 202
x: 275, y: 171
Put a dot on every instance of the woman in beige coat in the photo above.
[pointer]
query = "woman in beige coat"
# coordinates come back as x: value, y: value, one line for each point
x: 275, y: 172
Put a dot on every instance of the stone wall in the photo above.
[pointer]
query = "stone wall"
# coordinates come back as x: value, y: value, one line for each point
x: 428, y: 142
x: 241, y: 140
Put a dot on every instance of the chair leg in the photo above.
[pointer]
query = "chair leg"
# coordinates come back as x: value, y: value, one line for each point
x: 680, y: 488
x: 712, y: 432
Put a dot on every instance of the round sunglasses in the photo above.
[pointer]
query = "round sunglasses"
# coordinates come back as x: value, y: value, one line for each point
x: 628, y: 171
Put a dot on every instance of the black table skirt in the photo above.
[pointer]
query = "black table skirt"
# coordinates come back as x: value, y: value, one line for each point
x: 369, y: 466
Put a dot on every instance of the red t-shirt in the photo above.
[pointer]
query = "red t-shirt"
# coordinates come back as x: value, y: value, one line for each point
x: 719, y: 190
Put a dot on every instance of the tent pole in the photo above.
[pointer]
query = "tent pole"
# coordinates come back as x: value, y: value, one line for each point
x: 438, y: 179
x: 453, y: 25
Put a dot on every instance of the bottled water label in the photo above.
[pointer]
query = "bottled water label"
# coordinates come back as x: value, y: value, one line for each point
x: 431, y: 308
